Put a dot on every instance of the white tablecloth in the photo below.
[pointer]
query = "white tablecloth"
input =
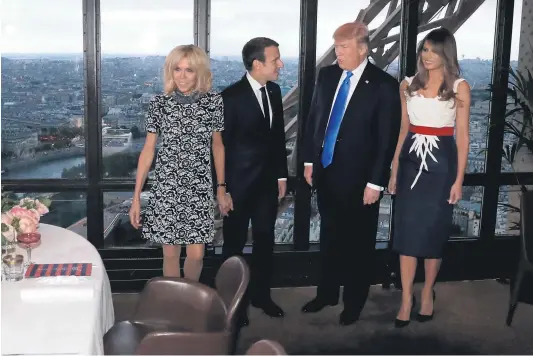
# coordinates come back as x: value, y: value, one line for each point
x: 58, y: 315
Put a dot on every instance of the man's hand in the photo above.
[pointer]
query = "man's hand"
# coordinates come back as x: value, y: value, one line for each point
x: 370, y: 196
x: 229, y: 202
x: 308, y: 175
x: 282, y: 189
x: 225, y: 203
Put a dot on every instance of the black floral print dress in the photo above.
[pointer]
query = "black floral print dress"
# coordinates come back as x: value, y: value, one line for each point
x: 182, y: 206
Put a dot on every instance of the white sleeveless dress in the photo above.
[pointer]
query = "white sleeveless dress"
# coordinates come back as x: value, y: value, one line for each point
x: 427, y: 170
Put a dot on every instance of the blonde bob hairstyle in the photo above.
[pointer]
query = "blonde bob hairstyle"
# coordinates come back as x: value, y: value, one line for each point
x: 198, y: 61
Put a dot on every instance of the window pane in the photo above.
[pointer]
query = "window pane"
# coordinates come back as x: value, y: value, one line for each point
x: 465, y: 222
x: 384, y: 222
x: 233, y: 23
x: 136, y: 37
x: 508, y: 214
x: 475, y: 44
x: 118, y: 231
x: 42, y: 101
x: 67, y: 209
x: 283, y: 230
x: 467, y: 213
x: 329, y: 18
x: 384, y: 53
x: 518, y: 157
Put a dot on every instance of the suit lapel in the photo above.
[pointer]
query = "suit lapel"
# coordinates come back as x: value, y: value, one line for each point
x: 253, y: 102
x: 274, y: 105
x: 329, y: 94
x: 361, y: 90
x: 250, y: 95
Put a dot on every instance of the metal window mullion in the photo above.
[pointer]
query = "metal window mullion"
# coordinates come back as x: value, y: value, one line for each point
x: 498, y: 107
x: 306, y: 83
x: 202, y: 23
x: 92, y: 120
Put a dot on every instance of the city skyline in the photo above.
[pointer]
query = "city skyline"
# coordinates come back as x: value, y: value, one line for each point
x: 154, y: 28
x: 44, y: 129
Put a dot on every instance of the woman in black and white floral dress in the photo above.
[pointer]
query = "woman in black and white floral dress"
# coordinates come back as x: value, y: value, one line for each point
x: 188, y: 118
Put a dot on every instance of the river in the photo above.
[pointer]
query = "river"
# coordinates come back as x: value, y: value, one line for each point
x: 52, y: 169
x: 45, y: 170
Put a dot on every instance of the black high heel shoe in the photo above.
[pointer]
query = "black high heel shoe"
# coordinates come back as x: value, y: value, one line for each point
x: 403, y: 323
x: 422, y: 318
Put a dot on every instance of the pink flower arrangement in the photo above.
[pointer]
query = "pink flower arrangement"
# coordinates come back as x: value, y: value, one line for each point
x: 23, y: 217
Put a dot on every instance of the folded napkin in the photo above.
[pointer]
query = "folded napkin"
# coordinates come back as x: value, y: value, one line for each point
x: 36, y: 270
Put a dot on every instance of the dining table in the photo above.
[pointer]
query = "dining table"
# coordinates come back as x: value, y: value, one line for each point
x: 58, y: 314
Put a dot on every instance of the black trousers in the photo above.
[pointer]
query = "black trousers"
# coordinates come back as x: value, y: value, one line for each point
x: 347, y: 242
x: 259, y: 206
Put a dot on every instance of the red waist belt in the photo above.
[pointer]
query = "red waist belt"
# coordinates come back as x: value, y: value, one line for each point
x: 434, y: 131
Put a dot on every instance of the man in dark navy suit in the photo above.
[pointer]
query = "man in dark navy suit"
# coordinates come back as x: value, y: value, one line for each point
x: 256, y: 164
x: 349, y: 143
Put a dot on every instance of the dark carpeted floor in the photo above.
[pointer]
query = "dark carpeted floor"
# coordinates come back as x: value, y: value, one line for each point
x: 469, y: 319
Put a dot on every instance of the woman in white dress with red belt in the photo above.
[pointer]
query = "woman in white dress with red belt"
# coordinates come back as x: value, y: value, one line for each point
x: 429, y: 165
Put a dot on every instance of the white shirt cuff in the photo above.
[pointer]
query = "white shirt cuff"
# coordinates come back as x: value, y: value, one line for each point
x: 282, y: 179
x: 375, y: 187
x: 308, y: 164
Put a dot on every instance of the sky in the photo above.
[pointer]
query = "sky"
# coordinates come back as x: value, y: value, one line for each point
x: 156, y: 26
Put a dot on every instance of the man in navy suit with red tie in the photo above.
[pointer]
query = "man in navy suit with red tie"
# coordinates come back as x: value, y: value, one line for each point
x: 349, y: 142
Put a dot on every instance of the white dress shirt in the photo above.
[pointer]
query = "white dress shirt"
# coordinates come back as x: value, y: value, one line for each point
x: 256, y: 87
x: 354, y: 80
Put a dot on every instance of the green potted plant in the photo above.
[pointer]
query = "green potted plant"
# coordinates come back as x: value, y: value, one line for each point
x: 518, y: 118
x: 518, y: 127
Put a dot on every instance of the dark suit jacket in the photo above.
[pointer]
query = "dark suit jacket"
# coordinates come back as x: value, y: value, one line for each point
x: 255, y: 152
x: 369, y: 131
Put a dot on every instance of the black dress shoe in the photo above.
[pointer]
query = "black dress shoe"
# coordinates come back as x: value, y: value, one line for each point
x: 422, y: 318
x: 269, y: 308
x: 317, y: 305
x: 398, y: 323
x: 348, y: 317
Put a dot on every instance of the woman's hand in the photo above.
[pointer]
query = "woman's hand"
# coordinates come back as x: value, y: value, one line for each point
x: 392, y: 184
x: 392, y: 180
x: 135, y: 213
x: 225, y: 203
x: 456, y: 193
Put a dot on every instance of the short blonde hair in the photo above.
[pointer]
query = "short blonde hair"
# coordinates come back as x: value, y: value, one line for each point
x: 199, y: 62
x: 353, y: 30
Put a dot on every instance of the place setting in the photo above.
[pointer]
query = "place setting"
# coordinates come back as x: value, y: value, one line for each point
x: 20, y: 230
